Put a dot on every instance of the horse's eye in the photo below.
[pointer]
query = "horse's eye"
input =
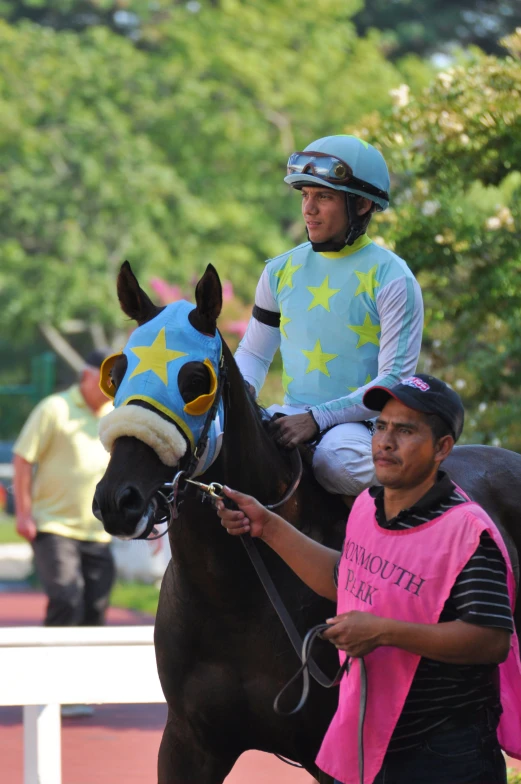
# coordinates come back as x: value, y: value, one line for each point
x: 194, y: 380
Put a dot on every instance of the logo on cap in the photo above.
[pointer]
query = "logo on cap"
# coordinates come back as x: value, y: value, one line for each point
x: 413, y: 381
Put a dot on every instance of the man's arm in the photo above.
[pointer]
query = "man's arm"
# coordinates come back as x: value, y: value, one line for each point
x: 457, y: 642
x: 30, y: 446
x: 400, y: 308
x: 23, y: 478
x: 477, y: 631
x: 311, y: 561
x: 262, y: 337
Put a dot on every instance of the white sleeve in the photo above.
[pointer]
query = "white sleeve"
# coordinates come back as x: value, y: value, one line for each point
x: 400, y: 307
x: 256, y: 350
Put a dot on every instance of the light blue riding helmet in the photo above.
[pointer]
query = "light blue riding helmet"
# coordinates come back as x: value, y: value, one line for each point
x: 344, y: 163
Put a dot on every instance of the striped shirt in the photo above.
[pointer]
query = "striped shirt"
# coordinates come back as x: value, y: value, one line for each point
x: 442, y: 691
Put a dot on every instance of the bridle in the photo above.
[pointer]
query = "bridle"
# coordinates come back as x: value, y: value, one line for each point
x: 172, y: 494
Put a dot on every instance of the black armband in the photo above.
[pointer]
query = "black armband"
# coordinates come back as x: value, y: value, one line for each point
x: 268, y: 317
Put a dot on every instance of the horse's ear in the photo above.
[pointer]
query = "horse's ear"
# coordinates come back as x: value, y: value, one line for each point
x: 209, y: 302
x: 134, y: 302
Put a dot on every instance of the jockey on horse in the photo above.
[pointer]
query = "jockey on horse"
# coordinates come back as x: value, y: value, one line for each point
x: 346, y: 313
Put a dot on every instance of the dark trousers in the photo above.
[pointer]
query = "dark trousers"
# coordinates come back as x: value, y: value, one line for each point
x: 77, y: 578
x: 464, y: 755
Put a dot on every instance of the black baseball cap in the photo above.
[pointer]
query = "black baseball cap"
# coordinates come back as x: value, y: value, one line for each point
x: 422, y: 393
x: 97, y: 356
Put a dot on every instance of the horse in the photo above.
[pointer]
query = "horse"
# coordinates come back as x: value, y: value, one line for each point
x: 222, y: 653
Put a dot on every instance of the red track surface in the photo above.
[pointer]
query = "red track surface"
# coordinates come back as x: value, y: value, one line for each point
x: 119, y: 744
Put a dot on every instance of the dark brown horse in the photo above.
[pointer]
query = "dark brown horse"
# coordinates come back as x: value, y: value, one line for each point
x: 222, y: 653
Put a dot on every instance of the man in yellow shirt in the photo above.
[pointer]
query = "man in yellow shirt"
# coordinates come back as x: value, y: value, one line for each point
x: 58, y: 460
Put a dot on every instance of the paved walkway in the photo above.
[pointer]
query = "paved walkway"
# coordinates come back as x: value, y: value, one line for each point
x: 119, y: 744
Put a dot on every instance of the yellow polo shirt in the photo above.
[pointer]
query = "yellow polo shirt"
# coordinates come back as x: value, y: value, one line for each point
x: 61, y: 437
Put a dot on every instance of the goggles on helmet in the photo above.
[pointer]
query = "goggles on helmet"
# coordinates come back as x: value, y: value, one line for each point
x: 331, y: 169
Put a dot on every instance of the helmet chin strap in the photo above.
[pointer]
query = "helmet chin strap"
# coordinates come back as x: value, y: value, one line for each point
x: 357, y: 225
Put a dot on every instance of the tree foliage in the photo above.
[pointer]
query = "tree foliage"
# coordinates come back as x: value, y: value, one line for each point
x: 167, y: 146
x: 172, y: 156
x: 118, y: 15
x: 426, y: 27
x: 423, y: 26
x: 456, y: 151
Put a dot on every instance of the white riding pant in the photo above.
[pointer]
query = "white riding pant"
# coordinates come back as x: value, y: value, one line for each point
x: 342, y: 462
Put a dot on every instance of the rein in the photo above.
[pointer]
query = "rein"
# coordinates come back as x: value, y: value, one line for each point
x: 171, y: 501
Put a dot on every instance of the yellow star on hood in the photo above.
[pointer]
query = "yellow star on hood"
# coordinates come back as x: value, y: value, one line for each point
x: 322, y: 294
x: 283, y: 321
x: 318, y: 359
x: 286, y: 380
x: 368, y: 282
x: 155, y: 357
x: 285, y: 275
x: 367, y: 332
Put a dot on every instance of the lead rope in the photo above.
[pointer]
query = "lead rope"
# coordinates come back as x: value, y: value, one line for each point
x: 304, y: 670
x: 303, y: 648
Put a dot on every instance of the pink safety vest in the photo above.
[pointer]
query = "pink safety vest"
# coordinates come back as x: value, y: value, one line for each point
x: 406, y: 575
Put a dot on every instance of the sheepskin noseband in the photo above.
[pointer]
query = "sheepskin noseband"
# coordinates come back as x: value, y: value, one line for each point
x: 148, y: 426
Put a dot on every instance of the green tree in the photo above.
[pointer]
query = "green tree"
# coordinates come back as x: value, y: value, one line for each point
x: 426, y: 27
x: 81, y: 183
x: 120, y: 16
x: 171, y: 155
x: 455, y: 150
x: 423, y: 26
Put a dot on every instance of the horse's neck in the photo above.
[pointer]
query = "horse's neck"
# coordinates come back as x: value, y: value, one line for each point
x: 255, y: 466
x: 250, y: 460
x: 213, y: 564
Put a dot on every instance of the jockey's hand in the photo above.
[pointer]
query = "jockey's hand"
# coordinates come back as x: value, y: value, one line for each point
x: 26, y: 527
x: 357, y: 633
x: 251, y: 517
x: 289, y: 431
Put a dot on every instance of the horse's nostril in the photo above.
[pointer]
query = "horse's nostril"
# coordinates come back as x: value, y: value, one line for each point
x: 130, y: 500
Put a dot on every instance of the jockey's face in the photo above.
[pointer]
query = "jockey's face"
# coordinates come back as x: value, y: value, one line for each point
x: 405, y: 453
x: 325, y: 213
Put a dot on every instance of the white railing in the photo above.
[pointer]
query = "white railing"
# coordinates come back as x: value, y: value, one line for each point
x: 43, y: 668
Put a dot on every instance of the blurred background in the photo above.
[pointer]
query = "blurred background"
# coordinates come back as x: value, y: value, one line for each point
x: 158, y: 132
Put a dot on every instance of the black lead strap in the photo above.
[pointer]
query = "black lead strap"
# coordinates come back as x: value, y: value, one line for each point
x: 303, y: 647
x: 304, y: 670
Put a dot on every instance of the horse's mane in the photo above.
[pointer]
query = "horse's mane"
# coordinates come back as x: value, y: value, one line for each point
x: 322, y: 510
x: 253, y: 433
